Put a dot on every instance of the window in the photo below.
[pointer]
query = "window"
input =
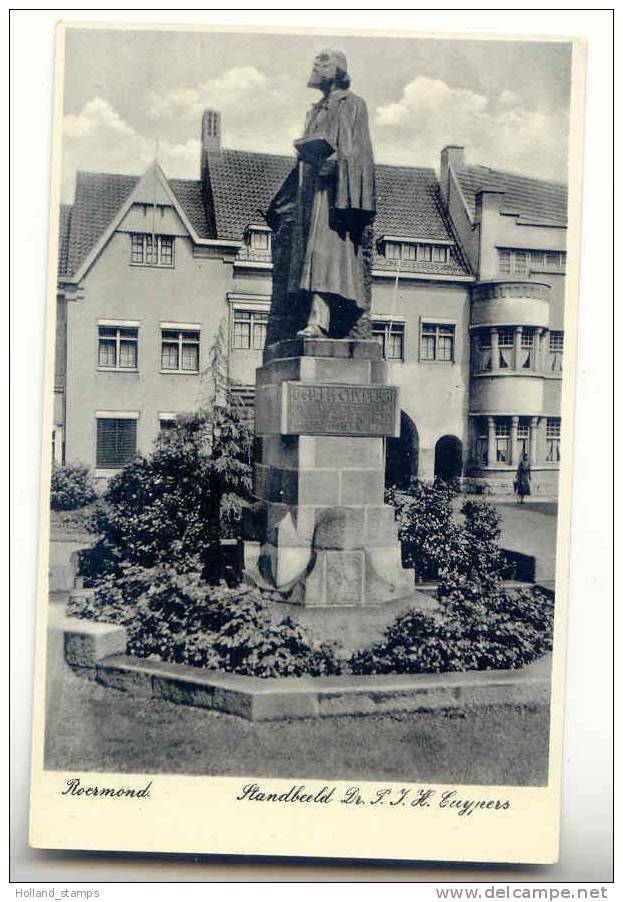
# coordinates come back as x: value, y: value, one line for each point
x: 117, y: 348
x: 437, y: 342
x: 249, y: 331
x: 167, y: 423
x: 522, y: 263
x: 552, y: 436
x: 180, y: 351
x: 116, y: 442
x: 505, y: 260
x: 152, y: 250
x: 481, y: 450
x: 556, y: 347
x: 506, y: 343
x: 260, y: 240
x: 412, y: 251
x: 424, y: 253
x: 555, y: 260
x: 391, y: 337
x: 523, y: 440
x: 502, y: 441
x: 481, y: 351
x: 527, y: 348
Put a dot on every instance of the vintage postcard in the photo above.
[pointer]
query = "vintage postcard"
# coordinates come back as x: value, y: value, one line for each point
x: 305, y: 528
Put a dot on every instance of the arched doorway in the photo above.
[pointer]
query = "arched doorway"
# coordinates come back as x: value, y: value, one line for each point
x: 448, y: 458
x: 401, y: 454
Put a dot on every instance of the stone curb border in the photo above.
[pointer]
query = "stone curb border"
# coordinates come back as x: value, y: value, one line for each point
x: 97, y: 651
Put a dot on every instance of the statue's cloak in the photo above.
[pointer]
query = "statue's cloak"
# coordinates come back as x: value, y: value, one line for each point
x: 321, y: 220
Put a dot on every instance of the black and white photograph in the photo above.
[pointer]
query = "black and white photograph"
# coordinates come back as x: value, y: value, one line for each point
x: 306, y: 425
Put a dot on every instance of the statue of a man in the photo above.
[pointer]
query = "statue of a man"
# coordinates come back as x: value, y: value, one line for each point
x: 323, y: 212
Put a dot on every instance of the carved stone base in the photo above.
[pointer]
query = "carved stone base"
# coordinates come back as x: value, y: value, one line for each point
x: 325, y: 537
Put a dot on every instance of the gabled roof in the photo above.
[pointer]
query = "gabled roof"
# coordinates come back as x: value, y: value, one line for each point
x: 534, y: 199
x: 241, y: 185
x: 99, y: 198
x: 244, y: 183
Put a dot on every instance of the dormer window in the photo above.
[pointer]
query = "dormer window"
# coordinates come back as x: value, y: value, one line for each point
x: 258, y: 239
x: 414, y: 251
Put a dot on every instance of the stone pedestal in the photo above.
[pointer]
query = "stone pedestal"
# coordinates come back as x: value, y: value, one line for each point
x: 319, y: 533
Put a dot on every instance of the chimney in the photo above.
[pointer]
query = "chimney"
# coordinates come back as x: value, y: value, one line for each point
x: 488, y: 200
x: 451, y: 155
x: 210, y: 136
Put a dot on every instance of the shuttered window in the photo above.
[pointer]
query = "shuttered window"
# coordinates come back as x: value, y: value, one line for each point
x: 116, y: 442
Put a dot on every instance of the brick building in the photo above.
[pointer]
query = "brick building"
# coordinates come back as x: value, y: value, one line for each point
x: 467, y: 301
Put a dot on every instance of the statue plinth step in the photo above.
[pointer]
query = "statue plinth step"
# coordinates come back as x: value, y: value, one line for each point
x: 324, y: 347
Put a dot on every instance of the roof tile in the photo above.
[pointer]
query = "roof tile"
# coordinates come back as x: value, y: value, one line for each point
x: 242, y: 185
x: 63, y: 238
x: 537, y: 199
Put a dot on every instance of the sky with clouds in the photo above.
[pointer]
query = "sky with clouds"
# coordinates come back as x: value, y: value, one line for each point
x: 131, y: 93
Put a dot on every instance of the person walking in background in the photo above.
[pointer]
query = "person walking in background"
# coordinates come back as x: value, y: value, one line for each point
x: 522, y: 480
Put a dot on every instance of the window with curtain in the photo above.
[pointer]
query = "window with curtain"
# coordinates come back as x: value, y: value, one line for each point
x: 484, y: 351
x: 437, y: 342
x: 552, y: 440
x: 391, y: 337
x: 526, y: 351
x: 556, y: 347
x: 117, y: 348
x: 523, y: 262
x: 179, y: 350
x: 506, y: 343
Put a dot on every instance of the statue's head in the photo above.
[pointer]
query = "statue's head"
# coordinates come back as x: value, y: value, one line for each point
x: 330, y: 70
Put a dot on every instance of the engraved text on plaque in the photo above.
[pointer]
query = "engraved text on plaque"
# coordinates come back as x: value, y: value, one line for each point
x: 324, y: 409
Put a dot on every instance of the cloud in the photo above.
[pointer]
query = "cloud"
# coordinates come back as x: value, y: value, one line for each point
x: 99, y: 140
x: 258, y: 111
x: 502, y: 133
x: 227, y: 90
x: 265, y: 113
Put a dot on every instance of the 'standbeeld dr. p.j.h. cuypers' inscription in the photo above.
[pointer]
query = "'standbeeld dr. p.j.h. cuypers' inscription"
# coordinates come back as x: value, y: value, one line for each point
x: 324, y: 409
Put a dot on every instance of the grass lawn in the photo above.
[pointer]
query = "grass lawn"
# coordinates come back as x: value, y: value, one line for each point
x: 101, y: 729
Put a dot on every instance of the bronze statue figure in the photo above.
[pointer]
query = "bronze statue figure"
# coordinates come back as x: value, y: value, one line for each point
x: 322, y: 216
